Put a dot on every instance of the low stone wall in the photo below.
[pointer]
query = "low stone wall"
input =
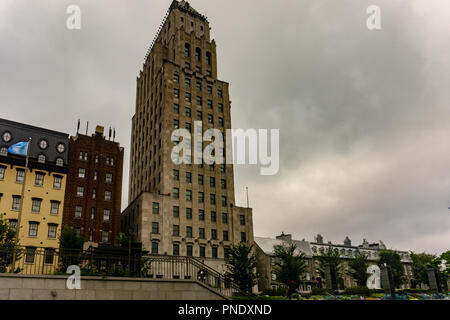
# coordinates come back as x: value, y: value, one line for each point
x: 38, y: 287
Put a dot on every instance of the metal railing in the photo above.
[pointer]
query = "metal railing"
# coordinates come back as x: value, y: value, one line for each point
x: 115, y: 262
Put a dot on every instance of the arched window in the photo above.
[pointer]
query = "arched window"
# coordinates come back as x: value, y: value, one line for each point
x: 59, y: 162
x: 208, y: 58
x: 198, y: 54
x: 187, y: 49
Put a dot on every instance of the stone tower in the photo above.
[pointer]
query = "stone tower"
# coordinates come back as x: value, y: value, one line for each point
x: 187, y: 209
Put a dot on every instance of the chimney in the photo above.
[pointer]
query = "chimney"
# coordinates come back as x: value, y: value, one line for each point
x: 285, y: 237
x: 99, y: 130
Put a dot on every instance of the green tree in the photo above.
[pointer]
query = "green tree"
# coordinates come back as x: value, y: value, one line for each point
x: 124, y: 240
x: 70, y: 240
x: 289, y: 266
x: 241, y: 264
x: 394, y: 261
x: 420, y: 264
x: 358, y: 269
x: 7, y: 234
x: 7, y: 238
x: 332, y: 257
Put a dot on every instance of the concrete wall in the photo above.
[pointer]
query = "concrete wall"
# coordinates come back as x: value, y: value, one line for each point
x: 37, y: 287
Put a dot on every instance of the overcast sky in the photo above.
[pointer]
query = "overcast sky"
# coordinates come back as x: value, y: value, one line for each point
x: 363, y: 115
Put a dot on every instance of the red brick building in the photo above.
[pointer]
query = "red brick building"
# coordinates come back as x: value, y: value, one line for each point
x: 94, y: 187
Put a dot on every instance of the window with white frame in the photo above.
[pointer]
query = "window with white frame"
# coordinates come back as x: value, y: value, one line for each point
x: 78, y: 212
x: 54, y: 207
x: 33, y: 229
x: 106, y: 215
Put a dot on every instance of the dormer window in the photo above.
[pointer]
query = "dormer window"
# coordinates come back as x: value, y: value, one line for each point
x: 41, y: 158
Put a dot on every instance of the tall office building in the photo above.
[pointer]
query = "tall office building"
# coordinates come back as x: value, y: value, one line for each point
x: 94, y: 187
x: 186, y: 210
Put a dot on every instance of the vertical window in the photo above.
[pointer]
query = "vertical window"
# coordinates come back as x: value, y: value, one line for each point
x: 220, y: 107
x: 33, y: 229
x: 199, y: 115
x: 36, y: 205
x: 176, y: 93
x: 187, y: 50
x: 188, y: 232
x: 201, y: 215
x: 20, y: 175
x: 2, y: 173
x: 213, y: 234
x: 188, y: 177
x: 176, y: 108
x: 222, y: 168
x: 212, y: 182
x: 92, y: 214
x: 225, y: 236
x: 242, y: 220
x: 81, y: 173
x: 212, y: 199
x: 176, y: 123
x: 94, y: 193
x: 209, y: 89
x: 155, y: 208
x: 200, y: 179
x: 49, y: 254
x: 106, y: 215
x: 105, y: 236
x: 213, y: 216
x: 220, y: 93
x: 189, y: 250
x: 210, y: 104
x: 13, y: 224
x: 176, y: 249
x: 221, y: 123
x: 109, y: 178
x: 107, y: 195
x: 155, y: 227
x: 54, y: 207
x: 202, y: 251
x: 199, y: 101
x: 176, y: 193
x: 176, y: 175
x: 78, y: 212
x: 188, y: 112
x: 201, y: 233
x: 201, y: 197
x: 176, y: 230
x: 30, y: 253
x: 224, y: 201
x: 198, y: 85
x: 52, y: 230
x: 80, y: 191
x: 155, y: 248
x: 187, y: 82
x: 91, y: 235
x: 243, y: 237
x: 176, y: 212
x: 189, y: 213
x: 187, y: 97
x: 57, y: 182
x: 210, y: 118
x: 225, y: 218
x: 208, y: 58
x: 214, y: 252
x: 176, y: 78
x: 198, y: 54
x: 95, y: 175
x: 189, y: 195
x: 223, y: 184
x: 16, y: 203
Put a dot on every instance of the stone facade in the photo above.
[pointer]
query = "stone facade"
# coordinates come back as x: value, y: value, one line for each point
x: 96, y: 166
x: 186, y: 209
x: 22, y: 287
x: 264, y: 251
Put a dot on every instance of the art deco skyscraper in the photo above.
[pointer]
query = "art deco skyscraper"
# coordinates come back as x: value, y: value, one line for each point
x: 174, y: 209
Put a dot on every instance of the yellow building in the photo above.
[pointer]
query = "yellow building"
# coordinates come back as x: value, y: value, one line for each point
x: 43, y: 202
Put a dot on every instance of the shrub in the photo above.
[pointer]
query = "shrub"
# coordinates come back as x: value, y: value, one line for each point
x: 274, y: 292
x: 319, y: 292
x: 361, y: 291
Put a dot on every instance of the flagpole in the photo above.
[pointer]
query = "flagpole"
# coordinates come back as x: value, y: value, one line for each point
x: 19, y: 218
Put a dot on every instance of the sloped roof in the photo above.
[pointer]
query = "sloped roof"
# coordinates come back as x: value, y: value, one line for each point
x: 267, y: 244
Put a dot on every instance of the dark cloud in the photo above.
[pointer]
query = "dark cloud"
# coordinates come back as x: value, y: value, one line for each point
x: 362, y: 114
